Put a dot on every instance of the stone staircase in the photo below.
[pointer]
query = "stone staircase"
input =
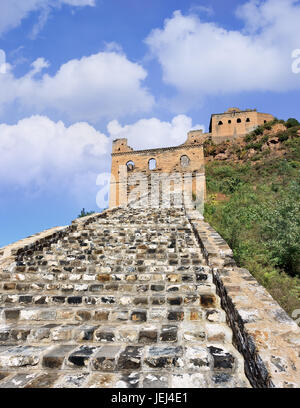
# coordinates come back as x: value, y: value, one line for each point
x: 126, y: 300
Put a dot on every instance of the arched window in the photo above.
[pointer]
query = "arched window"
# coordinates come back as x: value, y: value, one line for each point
x: 265, y: 121
x: 184, y: 161
x: 220, y: 123
x: 130, y: 165
x: 248, y: 120
x: 239, y: 120
x: 152, y: 164
x: 229, y: 121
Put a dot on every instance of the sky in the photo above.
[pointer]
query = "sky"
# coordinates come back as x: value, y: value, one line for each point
x: 76, y: 74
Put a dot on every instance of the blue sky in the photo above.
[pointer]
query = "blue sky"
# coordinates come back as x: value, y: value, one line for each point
x: 79, y: 73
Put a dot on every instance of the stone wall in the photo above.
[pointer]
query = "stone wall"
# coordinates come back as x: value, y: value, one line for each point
x: 186, y: 159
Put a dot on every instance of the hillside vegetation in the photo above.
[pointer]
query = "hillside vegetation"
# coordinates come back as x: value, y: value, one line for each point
x: 253, y: 188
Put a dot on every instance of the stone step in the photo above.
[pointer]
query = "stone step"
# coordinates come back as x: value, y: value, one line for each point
x: 174, y: 283
x: 130, y: 274
x: 92, y: 269
x: 160, y: 257
x: 83, y: 308
x: 215, y: 359
x: 150, y: 255
x: 197, y: 279
x: 124, y: 296
x: 136, y: 379
x: 109, y: 331
x: 122, y: 301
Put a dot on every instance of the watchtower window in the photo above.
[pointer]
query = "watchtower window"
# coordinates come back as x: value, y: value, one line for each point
x: 152, y: 164
x: 248, y: 120
x: 239, y: 120
x: 184, y: 161
x: 220, y: 123
x: 130, y: 165
x: 229, y: 121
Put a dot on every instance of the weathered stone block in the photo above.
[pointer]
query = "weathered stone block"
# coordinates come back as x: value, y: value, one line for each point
x: 222, y: 360
x: 168, y: 333
x: 164, y: 357
x: 46, y: 380
x: 106, y: 358
x: 55, y: 357
x: 131, y: 380
x: 139, y: 316
x: 176, y: 315
x: 174, y: 301
x: 130, y: 358
x: 80, y: 357
x: 155, y: 381
x: 105, y: 334
x: 148, y: 335
x: 20, y: 356
x: 207, y: 300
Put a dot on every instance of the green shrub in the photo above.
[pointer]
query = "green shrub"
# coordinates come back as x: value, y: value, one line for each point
x: 291, y: 122
x: 282, y: 136
x: 84, y: 213
x: 255, y: 146
x: 280, y: 229
x: 259, y: 130
x: 250, y: 137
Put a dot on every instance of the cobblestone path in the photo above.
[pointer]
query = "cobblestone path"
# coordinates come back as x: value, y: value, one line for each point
x: 125, y: 301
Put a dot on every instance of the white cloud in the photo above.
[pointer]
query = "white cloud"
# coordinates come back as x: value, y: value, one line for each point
x: 39, y: 155
x: 14, y: 11
x: 201, y: 58
x: 105, y: 85
x: 152, y: 133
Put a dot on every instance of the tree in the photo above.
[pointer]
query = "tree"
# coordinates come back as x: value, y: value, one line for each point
x: 291, y: 122
x: 85, y: 213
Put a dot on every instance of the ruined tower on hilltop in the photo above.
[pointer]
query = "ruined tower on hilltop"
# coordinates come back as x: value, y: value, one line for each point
x: 235, y: 123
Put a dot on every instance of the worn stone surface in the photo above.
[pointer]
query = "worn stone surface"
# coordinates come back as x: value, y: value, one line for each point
x: 133, y: 298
